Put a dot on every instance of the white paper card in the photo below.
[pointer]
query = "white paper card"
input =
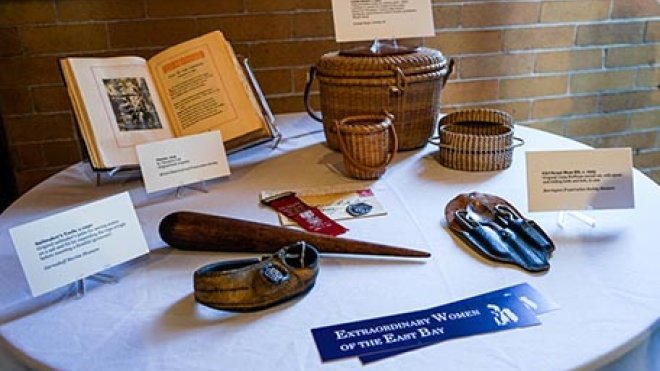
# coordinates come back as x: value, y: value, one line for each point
x: 375, y: 19
x: 181, y: 161
x: 580, y: 179
x: 74, y: 244
x: 334, y: 201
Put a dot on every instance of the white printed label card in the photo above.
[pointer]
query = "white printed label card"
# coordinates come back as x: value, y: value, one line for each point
x: 182, y: 161
x: 375, y: 19
x: 580, y: 179
x: 77, y: 243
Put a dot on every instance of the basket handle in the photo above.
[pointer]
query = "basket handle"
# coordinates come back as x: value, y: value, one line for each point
x: 450, y: 69
x: 399, y: 80
x: 521, y: 141
x: 308, y: 86
x: 394, y: 146
x: 434, y: 140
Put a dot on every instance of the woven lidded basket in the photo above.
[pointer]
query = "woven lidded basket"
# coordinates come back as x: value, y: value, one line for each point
x: 477, y: 140
x: 368, y: 144
x: 407, y: 85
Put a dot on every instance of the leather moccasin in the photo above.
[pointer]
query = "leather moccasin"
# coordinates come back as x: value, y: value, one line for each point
x: 252, y: 284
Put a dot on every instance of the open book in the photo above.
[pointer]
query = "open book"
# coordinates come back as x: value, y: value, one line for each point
x: 193, y: 87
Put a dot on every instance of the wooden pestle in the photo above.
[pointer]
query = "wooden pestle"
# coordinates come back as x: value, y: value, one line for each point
x: 204, y: 232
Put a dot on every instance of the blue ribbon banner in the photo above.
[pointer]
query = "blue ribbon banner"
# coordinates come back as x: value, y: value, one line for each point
x: 525, y: 293
x: 378, y: 338
x: 410, y: 330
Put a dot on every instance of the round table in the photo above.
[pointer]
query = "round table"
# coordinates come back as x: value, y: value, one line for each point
x: 606, y: 279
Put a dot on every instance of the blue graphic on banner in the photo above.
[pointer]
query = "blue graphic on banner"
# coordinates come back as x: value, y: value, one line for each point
x: 525, y: 293
x: 403, y: 331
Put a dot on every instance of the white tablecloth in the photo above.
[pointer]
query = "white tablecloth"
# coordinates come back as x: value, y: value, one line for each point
x: 606, y: 279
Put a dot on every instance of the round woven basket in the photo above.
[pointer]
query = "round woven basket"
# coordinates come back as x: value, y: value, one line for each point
x: 477, y: 140
x: 368, y: 144
x: 407, y: 85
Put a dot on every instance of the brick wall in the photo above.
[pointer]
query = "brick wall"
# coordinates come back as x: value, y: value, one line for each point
x: 586, y: 69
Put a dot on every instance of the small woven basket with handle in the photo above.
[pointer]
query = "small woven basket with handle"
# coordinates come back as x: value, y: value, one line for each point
x: 368, y: 144
x: 477, y: 140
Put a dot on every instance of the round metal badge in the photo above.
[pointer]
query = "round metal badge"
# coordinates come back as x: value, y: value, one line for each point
x: 274, y: 274
x: 359, y: 209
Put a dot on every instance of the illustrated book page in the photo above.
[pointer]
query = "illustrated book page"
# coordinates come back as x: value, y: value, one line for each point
x: 117, y: 107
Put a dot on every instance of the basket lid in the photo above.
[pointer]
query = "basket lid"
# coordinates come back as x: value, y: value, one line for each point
x: 417, y: 61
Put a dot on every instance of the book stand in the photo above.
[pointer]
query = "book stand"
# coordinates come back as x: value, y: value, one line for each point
x: 263, y: 103
x: 378, y: 48
x: 561, y: 218
x: 79, y: 289
x: 199, y: 186
x: 277, y: 138
x: 115, y: 171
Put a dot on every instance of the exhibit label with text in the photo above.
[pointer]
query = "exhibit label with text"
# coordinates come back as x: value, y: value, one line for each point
x: 74, y: 244
x: 580, y: 179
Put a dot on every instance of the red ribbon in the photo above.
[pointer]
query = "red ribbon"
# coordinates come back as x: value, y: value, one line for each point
x: 310, y: 218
